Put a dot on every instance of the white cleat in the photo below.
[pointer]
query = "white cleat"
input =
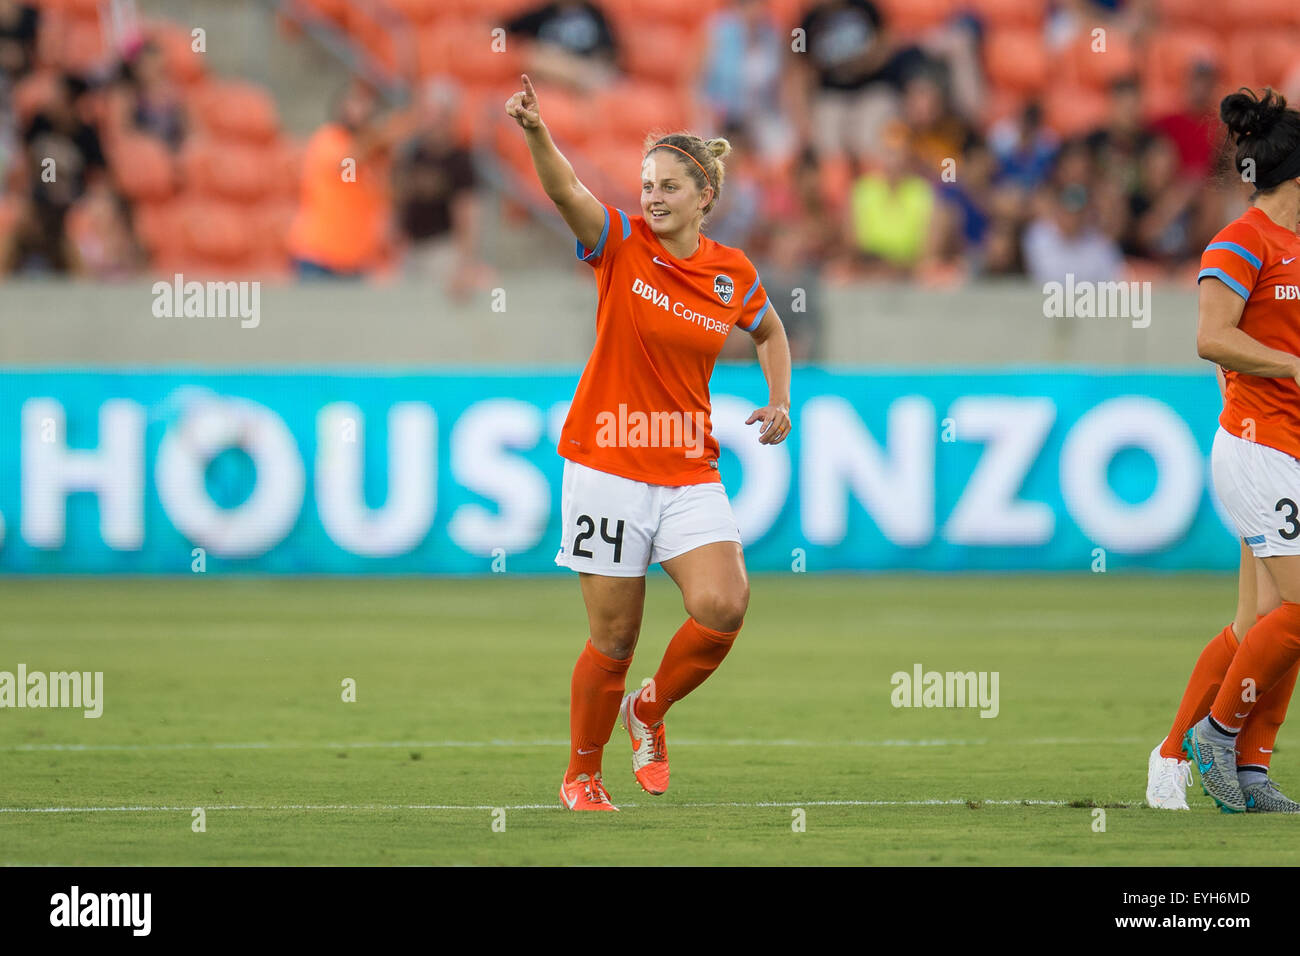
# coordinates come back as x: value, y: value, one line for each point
x: 1167, y: 781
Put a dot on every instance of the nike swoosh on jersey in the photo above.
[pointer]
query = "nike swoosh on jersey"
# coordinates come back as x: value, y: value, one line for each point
x: 1287, y: 262
x: 667, y: 265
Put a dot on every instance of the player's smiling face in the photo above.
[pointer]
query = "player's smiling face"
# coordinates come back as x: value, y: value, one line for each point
x: 670, y: 200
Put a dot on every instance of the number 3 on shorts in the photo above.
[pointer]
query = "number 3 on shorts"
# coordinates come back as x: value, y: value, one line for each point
x: 588, y: 524
x: 1293, y: 526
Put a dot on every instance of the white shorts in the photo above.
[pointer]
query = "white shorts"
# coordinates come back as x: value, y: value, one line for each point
x: 1259, y: 488
x: 616, y: 526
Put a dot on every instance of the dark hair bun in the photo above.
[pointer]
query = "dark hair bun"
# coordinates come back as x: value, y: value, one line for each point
x: 1247, y: 115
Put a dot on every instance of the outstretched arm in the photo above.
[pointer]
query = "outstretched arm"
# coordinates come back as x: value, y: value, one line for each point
x: 580, y: 209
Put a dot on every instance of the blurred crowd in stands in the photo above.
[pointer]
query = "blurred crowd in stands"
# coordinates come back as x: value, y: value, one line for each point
x: 1002, y: 138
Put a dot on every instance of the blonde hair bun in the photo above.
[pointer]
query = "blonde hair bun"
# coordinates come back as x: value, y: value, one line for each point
x: 718, y: 147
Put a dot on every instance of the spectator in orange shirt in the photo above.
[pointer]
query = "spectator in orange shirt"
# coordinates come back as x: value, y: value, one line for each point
x: 343, y: 221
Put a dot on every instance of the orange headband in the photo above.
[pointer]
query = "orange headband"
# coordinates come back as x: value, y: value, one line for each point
x: 687, y: 155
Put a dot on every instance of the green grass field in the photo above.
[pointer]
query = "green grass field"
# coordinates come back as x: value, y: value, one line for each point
x: 226, y: 695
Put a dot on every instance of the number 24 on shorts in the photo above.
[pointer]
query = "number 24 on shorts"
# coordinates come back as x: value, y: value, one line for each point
x: 589, y: 523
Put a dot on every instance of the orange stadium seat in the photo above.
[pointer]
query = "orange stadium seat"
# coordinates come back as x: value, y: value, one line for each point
x: 142, y: 167
x: 1016, y: 60
x: 568, y: 116
x: 1170, y: 54
x: 482, y: 109
x: 1162, y: 99
x: 235, y: 108
x: 1187, y: 13
x: 79, y: 46
x: 787, y: 13
x: 183, y: 65
x: 495, y: 10
x: 630, y: 110
x: 32, y: 92
x: 910, y: 17
x: 433, y: 50
x: 1258, y: 14
x: 283, y: 159
x: 686, y: 14
x: 229, y: 171
x: 656, y: 53
x: 617, y: 167
x: 216, y: 233
x: 273, y: 221
x: 1098, y: 68
x: 1073, y: 110
x: 470, y: 53
x: 157, y: 224
x: 1262, y: 57
x: 1008, y: 13
x: 998, y: 104
x: 87, y: 10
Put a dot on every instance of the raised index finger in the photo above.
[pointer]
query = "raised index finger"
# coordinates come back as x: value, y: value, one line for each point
x: 528, y: 85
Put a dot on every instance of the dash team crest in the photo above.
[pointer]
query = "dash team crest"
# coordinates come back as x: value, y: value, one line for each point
x: 724, y: 288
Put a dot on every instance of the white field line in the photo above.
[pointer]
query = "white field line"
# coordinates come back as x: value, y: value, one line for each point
x: 477, y: 744
x: 388, y: 808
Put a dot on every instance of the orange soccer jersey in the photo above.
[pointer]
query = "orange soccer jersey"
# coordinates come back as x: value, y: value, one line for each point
x: 1260, y: 261
x: 642, y: 405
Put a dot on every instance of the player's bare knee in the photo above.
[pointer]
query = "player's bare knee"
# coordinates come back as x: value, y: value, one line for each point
x: 720, y: 610
x: 617, y: 641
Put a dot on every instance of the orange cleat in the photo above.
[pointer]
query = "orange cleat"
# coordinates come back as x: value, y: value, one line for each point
x: 586, y: 793
x: 649, y: 748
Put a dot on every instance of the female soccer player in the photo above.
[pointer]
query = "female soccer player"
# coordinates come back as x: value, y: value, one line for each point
x: 1250, y: 326
x: 641, y: 477
x: 1169, y: 773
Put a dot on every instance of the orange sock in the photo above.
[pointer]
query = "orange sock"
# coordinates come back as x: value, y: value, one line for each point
x: 1259, y: 732
x: 594, y: 696
x: 1204, y: 683
x: 693, y: 654
x: 1266, y: 655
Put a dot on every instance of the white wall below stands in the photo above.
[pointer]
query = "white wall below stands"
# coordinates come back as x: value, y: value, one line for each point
x: 549, y: 320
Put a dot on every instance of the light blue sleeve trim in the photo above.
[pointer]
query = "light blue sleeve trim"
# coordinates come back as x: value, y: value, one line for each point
x: 600, y: 246
x: 627, y: 226
x: 750, y: 294
x: 1227, y: 280
x: 758, y: 318
x: 1239, y: 249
